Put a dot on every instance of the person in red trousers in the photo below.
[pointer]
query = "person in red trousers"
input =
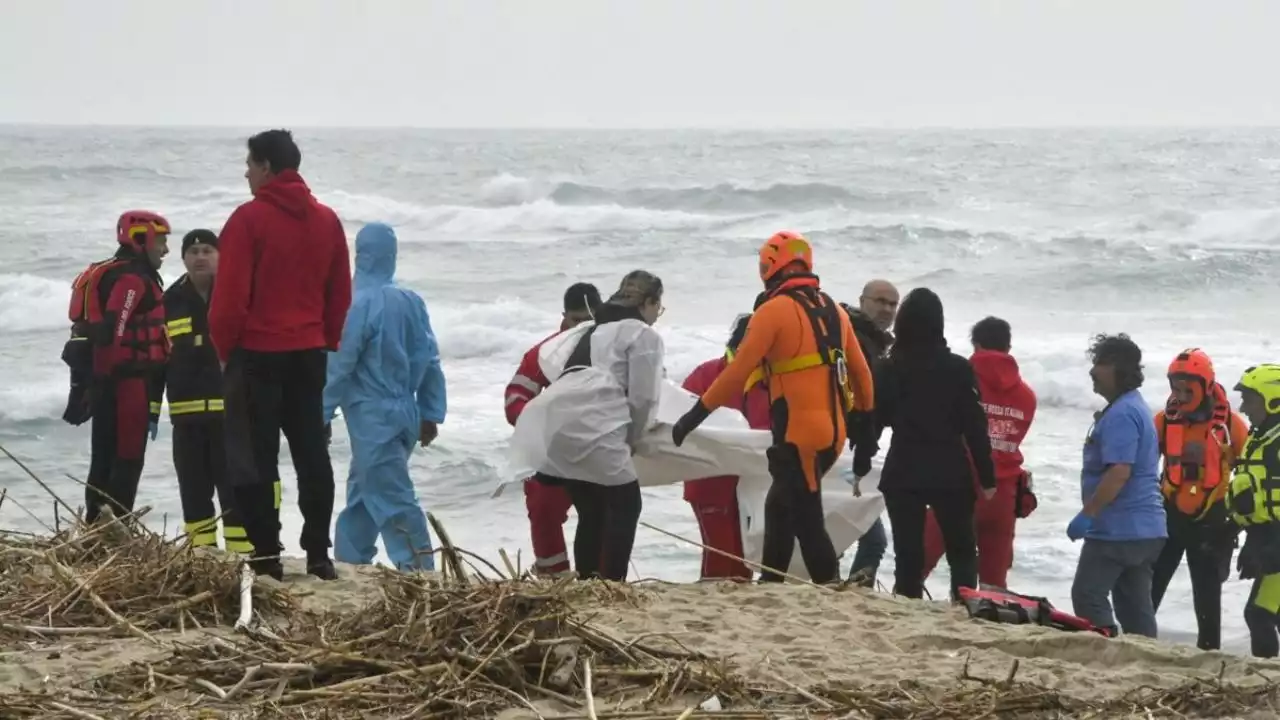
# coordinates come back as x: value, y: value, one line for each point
x: 1010, y: 405
x: 715, y: 499
x: 548, y: 505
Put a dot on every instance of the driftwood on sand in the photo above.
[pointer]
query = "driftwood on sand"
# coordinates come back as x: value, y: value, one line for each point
x: 433, y: 646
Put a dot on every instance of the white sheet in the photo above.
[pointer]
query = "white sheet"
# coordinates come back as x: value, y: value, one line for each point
x: 725, y: 445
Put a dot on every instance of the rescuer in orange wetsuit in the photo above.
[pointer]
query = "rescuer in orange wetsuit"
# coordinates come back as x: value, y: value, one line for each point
x: 1200, y: 439
x: 820, y: 396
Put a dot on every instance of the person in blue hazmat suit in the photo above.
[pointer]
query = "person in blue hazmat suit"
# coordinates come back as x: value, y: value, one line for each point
x: 386, y: 377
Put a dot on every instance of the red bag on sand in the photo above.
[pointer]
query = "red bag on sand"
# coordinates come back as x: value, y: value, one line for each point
x: 1010, y: 608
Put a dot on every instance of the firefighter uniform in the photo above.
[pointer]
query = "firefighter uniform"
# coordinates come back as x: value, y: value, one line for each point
x: 193, y: 383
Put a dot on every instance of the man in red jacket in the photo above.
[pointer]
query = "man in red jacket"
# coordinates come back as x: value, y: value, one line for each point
x: 715, y: 499
x: 1010, y: 406
x: 284, y: 286
x: 548, y: 505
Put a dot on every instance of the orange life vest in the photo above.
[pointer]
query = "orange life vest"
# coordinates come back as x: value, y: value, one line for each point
x: 1195, y: 467
x: 146, y: 342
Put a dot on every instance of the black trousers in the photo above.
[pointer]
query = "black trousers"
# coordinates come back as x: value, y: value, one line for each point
x: 200, y: 459
x: 793, y: 513
x: 1208, y: 548
x: 118, y: 444
x: 954, y: 512
x: 607, y: 520
x: 265, y: 394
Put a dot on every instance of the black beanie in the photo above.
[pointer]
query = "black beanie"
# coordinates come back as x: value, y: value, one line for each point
x: 199, y: 237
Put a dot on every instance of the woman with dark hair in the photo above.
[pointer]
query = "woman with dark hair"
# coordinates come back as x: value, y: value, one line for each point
x: 1123, y: 519
x: 929, y: 396
x: 581, y: 432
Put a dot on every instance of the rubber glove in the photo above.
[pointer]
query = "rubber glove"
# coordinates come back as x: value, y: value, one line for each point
x: 153, y: 428
x: 689, y: 422
x: 1079, y: 526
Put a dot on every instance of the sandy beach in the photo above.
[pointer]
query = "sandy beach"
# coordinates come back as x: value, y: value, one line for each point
x: 342, y: 646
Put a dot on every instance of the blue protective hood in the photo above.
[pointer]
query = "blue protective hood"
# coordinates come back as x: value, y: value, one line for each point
x: 375, y: 255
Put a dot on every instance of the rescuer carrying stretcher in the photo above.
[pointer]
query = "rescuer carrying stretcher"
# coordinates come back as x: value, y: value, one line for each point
x: 800, y: 343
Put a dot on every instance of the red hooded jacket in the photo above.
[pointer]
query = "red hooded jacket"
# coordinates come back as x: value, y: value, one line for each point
x: 284, y: 273
x: 753, y: 404
x: 1010, y: 406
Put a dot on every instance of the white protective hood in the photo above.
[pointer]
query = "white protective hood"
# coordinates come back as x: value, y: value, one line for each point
x: 723, y: 445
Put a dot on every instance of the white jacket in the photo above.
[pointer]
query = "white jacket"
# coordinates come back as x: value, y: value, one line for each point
x: 586, y: 425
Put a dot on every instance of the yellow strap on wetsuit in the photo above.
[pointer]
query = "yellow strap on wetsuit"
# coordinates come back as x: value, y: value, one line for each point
x: 796, y: 364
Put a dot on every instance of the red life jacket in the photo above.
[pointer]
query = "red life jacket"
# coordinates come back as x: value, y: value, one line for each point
x: 144, y: 344
x: 1194, y: 466
x: 1010, y: 608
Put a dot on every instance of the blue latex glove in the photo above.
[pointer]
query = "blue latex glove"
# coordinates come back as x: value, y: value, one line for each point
x: 154, y: 428
x: 1079, y: 526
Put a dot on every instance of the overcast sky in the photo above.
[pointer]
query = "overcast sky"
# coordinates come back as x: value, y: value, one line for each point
x: 640, y: 63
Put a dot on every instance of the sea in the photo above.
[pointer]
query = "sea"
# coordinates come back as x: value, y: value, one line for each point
x: 1169, y: 235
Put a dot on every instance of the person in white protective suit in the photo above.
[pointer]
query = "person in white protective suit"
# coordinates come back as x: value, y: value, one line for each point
x: 386, y: 377
x: 581, y: 432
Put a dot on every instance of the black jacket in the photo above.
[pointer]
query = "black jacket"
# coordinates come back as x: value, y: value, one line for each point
x: 873, y: 341
x: 874, y: 344
x: 931, y: 401
x: 193, y: 378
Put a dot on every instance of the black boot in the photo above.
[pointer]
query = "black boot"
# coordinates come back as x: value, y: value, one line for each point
x: 322, y: 567
x: 268, y: 566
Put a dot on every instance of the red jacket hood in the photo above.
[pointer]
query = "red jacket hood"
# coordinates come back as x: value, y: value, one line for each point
x: 995, y: 369
x: 1010, y: 406
x: 754, y: 404
x: 289, y: 192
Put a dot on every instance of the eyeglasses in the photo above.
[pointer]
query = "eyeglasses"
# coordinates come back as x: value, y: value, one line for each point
x: 891, y: 304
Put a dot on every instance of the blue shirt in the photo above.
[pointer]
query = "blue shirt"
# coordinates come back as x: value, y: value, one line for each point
x: 1125, y: 435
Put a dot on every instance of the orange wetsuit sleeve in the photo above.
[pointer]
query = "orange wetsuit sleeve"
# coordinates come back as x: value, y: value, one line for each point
x: 1239, y: 433
x: 860, y: 380
x: 762, y: 332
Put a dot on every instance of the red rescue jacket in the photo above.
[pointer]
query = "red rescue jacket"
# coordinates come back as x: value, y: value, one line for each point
x: 1010, y: 405
x: 121, y: 311
x: 754, y: 404
x: 528, y: 380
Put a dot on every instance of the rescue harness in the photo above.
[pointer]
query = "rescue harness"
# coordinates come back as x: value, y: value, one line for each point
x: 1253, y: 495
x: 824, y: 316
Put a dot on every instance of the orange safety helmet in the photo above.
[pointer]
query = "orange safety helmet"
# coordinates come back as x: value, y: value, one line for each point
x: 783, y: 249
x: 138, y: 229
x: 1193, y: 363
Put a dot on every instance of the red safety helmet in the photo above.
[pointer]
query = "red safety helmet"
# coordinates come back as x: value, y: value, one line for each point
x: 1193, y: 364
x: 783, y: 249
x: 138, y: 229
